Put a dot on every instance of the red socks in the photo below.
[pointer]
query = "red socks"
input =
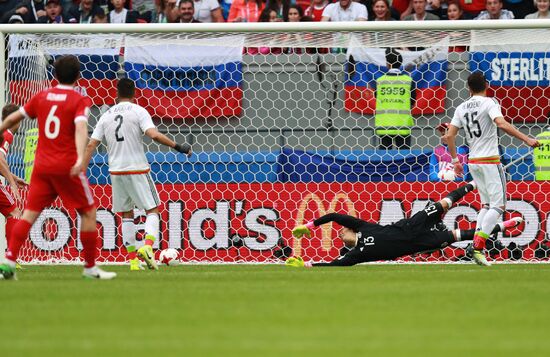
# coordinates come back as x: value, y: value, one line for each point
x: 10, y: 223
x: 19, y: 233
x: 89, y: 241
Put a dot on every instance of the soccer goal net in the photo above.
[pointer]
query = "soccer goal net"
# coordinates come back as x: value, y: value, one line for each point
x: 281, y: 120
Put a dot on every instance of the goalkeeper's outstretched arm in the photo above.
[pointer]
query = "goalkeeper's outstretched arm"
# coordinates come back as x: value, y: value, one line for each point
x: 160, y: 138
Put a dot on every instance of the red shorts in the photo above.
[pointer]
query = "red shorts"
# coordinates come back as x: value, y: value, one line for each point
x: 7, y: 202
x: 74, y: 191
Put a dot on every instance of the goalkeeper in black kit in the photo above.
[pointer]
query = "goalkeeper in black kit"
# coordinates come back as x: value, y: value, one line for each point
x: 372, y: 242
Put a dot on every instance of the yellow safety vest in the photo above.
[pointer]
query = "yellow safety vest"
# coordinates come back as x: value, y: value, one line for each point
x: 393, y: 105
x: 541, y: 157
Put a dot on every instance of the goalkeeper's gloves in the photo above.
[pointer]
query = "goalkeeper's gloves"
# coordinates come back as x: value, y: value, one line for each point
x: 183, y: 148
x: 300, y: 231
x: 296, y: 262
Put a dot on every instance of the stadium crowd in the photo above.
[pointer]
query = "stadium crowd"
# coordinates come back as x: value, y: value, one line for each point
x: 195, y: 11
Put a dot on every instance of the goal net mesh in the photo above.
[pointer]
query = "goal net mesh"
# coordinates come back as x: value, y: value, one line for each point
x: 282, y: 129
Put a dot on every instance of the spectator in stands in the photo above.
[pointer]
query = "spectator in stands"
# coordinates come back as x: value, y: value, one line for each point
x: 83, y: 13
x: 30, y: 10
x: 147, y: 9
x: 121, y: 15
x: 171, y: 13
x: 54, y: 13
x: 455, y: 12
x: 542, y: 13
x: 441, y: 167
x: 245, y: 10
x: 381, y: 10
x: 471, y: 8
x: 100, y: 17
x: 295, y: 13
x: 7, y: 9
x: 315, y: 10
x: 267, y: 15
x: 438, y: 8
x: 160, y: 8
x: 16, y: 19
x: 420, y: 14
x: 345, y: 10
x: 403, y: 7
x: 494, y: 11
x: 187, y: 12
x: 281, y: 7
x: 394, y: 99
x: 520, y: 8
x: 208, y: 11
x: 225, y: 5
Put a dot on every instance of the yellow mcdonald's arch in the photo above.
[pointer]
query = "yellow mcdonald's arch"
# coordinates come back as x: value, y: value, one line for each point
x: 326, y: 229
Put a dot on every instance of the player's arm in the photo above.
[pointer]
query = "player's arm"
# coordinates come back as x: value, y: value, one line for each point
x: 11, y: 120
x: 80, y: 139
x: 342, y: 219
x: 160, y: 138
x: 5, y: 171
x: 351, y: 258
x: 513, y: 131
x: 90, y: 149
x: 451, y: 145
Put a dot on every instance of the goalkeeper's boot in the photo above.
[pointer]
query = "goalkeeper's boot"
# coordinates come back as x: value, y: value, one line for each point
x: 19, y: 266
x: 146, y: 253
x: 135, y: 265
x: 96, y: 273
x: 296, y: 262
x: 8, y: 271
x: 479, y: 257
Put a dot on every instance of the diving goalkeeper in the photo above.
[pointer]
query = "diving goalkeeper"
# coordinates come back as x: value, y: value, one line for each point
x: 372, y: 242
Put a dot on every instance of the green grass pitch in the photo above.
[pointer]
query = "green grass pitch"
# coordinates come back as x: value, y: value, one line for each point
x: 212, y: 310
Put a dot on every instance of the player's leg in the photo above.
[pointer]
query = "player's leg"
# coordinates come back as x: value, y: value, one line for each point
x: 493, y: 192
x: 145, y: 196
x: 433, y: 212
x: 455, y: 195
x: 75, y: 193
x: 129, y: 239
x: 19, y: 234
x: 9, y: 209
x: 468, y: 234
x: 88, y: 237
x: 123, y: 204
x: 41, y: 194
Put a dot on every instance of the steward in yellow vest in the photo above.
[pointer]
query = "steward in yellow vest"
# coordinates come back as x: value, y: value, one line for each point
x: 541, y: 156
x: 394, y: 96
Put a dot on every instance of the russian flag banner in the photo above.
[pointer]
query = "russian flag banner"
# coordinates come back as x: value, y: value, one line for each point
x: 428, y: 69
x: 187, y: 78
x: 30, y: 59
x: 518, y: 76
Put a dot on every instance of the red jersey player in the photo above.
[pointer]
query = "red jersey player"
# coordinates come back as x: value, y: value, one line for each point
x: 8, y: 200
x: 62, y: 116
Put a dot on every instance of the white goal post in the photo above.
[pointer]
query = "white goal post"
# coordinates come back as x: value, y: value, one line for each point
x: 281, y: 120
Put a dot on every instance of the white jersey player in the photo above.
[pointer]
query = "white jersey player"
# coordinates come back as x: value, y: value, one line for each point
x: 123, y: 127
x: 480, y: 117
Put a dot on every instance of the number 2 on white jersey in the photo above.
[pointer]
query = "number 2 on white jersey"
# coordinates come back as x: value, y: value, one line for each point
x: 52, y: 125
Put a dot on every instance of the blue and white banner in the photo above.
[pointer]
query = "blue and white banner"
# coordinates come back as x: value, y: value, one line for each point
x: 519, y: 76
